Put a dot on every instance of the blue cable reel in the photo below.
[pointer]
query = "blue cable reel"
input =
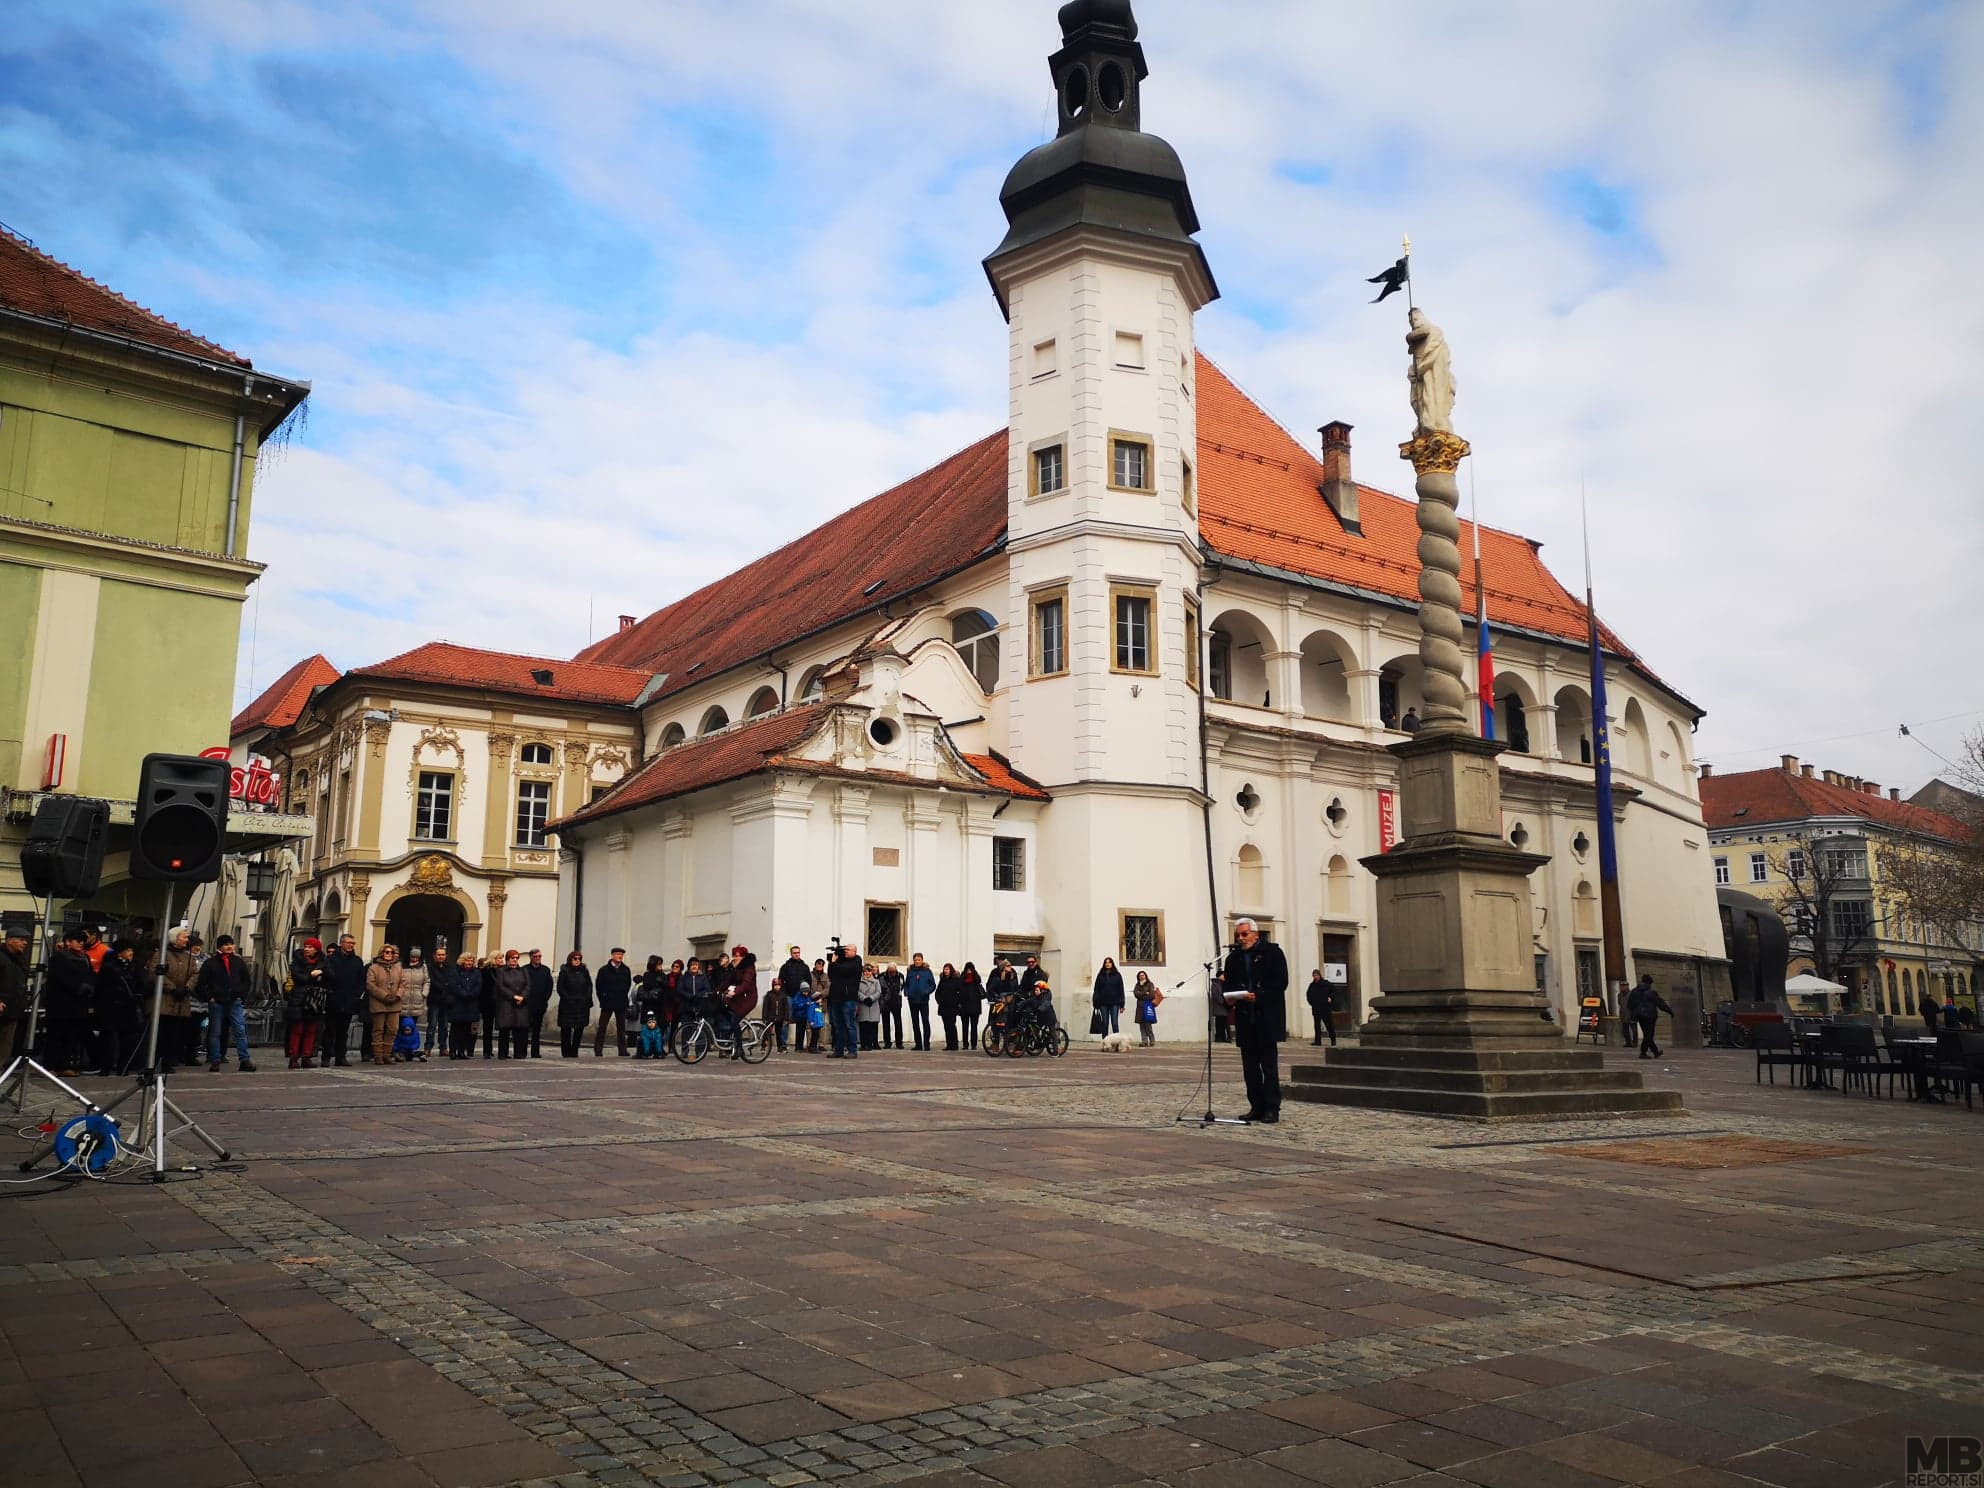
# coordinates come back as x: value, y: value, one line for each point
x: 88, y: 1142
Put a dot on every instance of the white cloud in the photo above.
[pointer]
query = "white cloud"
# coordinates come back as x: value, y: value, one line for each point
x: 1768, y: 384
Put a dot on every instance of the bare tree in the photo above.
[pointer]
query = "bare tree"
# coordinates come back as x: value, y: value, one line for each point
x: 1825, y: 899
x: 1935, y: 873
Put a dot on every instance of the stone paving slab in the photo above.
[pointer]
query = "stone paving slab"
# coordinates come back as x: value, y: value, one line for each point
x: 949, y: 1269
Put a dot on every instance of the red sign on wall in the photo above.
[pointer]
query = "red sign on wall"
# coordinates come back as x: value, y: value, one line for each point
x: 56, y: 762
x: 257, y: 785
x: 1387, y: 820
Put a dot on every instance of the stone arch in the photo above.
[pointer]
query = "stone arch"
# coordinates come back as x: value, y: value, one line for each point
x: 1327, y: 661
x: 1639, y: 743
x: 1401, y: 689
x: 1892, y: 1002
x: 764, y: 700
x: 1573, y: 724
x: 1237, y: 647
x: 1250, y: 878
x: 471, y: 918
x: 1514, y: 698
x: 1674, y: 763
x: 330, y: 917
x: 672, y: 735
x: 813, y: 684
x: 1336, y: 887
x: 713, y: 721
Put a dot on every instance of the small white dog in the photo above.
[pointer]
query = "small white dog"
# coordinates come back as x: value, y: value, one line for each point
x: 1114, y: 1043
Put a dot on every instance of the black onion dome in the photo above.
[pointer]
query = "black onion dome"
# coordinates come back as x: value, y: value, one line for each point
x: 1115, y: 15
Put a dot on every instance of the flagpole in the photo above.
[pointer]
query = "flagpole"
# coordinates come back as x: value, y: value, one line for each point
x: 1405, y: 257
x: 1484, y: 671
x: 1612, y: 920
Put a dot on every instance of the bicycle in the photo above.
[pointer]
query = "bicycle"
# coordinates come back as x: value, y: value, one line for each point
x: 1036, y: 1036
x: 697, y: 1037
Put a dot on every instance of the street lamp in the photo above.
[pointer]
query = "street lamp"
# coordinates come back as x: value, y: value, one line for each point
x: 261, y: 881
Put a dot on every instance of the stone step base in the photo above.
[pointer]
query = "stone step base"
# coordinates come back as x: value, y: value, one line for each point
x: 1380, y: 1076
x: 1564, y: 1102
x: 1553, y: 1057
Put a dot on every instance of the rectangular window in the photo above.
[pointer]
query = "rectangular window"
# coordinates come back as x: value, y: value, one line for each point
x: 1188, y: 492
x: 1759, y: 868
x: 1129, y: 463
x: 434, y: 807
x: 1794, y: 863
x: 533, y: 811
x: 884, y: 932
x: 1008, y: 864
x: 1044, y: 360
x: 1722, y: 871
x: 1130, y: 350
x: 1049, y: 634
x: 1141, y: 937
x: 1846, y: 863
x: 1133, y: 611
x: 1851, y: 920
x: 1048, y: 475
x: 1192, y: 644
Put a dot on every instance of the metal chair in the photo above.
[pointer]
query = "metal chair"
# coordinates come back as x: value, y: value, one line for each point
x: 1775, y: 1045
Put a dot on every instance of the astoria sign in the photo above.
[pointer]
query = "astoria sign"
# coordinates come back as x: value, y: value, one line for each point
x: 254, y: 785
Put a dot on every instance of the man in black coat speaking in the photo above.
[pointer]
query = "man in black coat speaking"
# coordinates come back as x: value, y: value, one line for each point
x: 1257, y: 971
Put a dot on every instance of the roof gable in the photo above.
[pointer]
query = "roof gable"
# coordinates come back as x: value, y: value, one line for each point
x: 36, y: 284
x: 282, y: 702
x: 1754, y: 798
x: 444, y: 664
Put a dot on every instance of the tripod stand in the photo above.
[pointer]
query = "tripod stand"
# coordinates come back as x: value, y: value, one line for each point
x: 14, y: 1082
x: 149, y: 1084
x: 1209, y: 1119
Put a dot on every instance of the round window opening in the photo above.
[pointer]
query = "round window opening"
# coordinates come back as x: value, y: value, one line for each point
x: 1074, y: 93
x: 1110, y: 85
x: 1249, y: 800
x: 883, y: 731
x: 1520, y: 836
x: 1336, y: 813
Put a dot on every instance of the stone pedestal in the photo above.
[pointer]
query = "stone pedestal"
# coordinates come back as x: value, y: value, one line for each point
x: 1459, y: 1028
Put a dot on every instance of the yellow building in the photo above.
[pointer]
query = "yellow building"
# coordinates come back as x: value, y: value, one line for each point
x: 1813, y: 842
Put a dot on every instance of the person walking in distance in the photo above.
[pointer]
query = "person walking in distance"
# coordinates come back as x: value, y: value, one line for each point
x: 1319, y: 1008
x: 1644, y: 1006
x: 918, y: 985
x: 224, y: 984
x: 614, y: 985
x: 1255, y: 984
x: 344, y: 971
x: 510, y: 989
x: 843, y: 997
x: 384, y: 980
x: 539, y: 1002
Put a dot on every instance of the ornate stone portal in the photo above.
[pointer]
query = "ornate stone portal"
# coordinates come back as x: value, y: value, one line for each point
x: 1460, y: 1029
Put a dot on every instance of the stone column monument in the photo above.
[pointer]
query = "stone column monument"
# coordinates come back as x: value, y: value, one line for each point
x: 1459, y: 1028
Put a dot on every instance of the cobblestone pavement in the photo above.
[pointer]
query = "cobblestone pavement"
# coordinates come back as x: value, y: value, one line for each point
x: 951, y: 1270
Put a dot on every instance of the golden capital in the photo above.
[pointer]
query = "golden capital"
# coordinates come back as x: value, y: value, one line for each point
x: 1434, y: 450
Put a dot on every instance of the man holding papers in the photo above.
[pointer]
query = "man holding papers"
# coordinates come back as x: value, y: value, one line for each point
x: 1255, y: 981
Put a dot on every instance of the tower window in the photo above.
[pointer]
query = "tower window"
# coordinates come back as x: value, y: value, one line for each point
x: 1048, y: 473
x: 1129, y: 463
x: 1192, y: 644
x: 1129, y: 350
x: 536, y: 754
x: 1110, y: 85
x: 1133, y: 610
x: 1048, y: 641
x: 1188, y: 491
x: 1074, y: 92
x: 1045, y: 363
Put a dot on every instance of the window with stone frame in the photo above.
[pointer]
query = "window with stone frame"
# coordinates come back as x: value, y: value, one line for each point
x: 1721, y: 871
x: 1049, y: 473
x: 1129, y: 463
x: 885, y: 933
x: 1009, y: 864
x: 1133, y: 615
x: 535, y: 754
x: 1140, y: 937
x: 434, y: 806
x: 1193, y: 640
x: 975, y: 633
x: 1047, y: 642
x: 533, y: 812
x: 1759, y: 868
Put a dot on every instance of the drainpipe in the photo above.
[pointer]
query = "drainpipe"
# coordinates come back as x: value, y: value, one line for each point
x: 234, y: 475
x: 578, y: 895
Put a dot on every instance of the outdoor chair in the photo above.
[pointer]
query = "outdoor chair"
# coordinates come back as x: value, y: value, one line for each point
x: 1909, y: 1061
x: 1950, y: 1063
x: 1775, y: 1045
x: 1860, y: 1058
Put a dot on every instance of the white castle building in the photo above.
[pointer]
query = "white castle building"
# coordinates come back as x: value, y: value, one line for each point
x: 1115, y: 675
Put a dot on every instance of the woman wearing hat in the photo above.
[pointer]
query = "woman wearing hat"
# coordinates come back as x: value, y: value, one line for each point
x: 303, y: 1004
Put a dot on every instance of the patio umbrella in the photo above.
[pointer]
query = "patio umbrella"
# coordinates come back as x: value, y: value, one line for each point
x: 1806, y: 985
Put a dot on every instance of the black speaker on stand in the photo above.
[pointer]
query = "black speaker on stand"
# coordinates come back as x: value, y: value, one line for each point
x: 62, y: 858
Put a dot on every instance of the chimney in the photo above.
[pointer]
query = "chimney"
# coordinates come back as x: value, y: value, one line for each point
x: 1894, y: 793
x: 626, y: 623
x: 1806, y: 772
x: 1339, y: 490
x: 1873, y: 788
x: 1789, y: 764
x: 1706, y: 771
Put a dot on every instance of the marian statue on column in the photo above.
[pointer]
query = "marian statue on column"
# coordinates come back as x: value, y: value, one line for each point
x: 1432, y: 375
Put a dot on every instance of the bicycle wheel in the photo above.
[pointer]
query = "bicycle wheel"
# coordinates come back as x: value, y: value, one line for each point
x: 1057, y: 1042
x: 694, y: 1042
x: 993, y: 1042
x: 754, y: 1042
x: 1016, y: 1042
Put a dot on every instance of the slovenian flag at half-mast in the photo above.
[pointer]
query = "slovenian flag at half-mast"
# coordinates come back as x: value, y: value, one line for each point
x: 1485, y: 683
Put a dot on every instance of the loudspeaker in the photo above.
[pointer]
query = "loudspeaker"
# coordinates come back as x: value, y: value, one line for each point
x: 63, y: 855
x: 181, y: 818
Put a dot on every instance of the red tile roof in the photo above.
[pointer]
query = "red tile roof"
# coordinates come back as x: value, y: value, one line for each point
x: 283, y: 701
x: 928, y: 526
x: 1259, y: 502
x: 36, y: 284
x: 1003, y: 776
x: 1770, y: 797
x: 761, y: 744
x: 449, y: 665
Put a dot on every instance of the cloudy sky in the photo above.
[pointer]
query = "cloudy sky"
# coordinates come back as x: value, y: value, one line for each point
x: 601, y: 299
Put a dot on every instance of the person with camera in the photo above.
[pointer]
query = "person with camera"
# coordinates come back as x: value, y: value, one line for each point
x: 843, y: 1000
x: 1255, y: 983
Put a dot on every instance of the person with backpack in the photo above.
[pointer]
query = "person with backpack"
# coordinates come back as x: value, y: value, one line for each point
x: 1644, y: 1006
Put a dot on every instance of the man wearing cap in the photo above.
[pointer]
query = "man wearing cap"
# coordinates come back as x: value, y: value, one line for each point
x: 13, y: 990
x: 613, y: 985
x: 68, y: 995
x: 224, y: 984
x: 536, y: 1004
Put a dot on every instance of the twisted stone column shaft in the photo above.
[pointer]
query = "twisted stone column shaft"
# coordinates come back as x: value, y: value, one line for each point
x: 1435, y: 455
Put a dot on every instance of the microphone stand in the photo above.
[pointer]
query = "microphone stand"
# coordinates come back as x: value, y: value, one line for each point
x: 1209, y: 1119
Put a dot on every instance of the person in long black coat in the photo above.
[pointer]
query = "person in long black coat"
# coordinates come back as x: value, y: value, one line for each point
x: 614, y: 984
x: 971, y: 1003
x: 540, y: 1000
x: 949, y: 988
x: 344, y: 974
x: 1319, y: 1008
x: 68, y: 996
x: 1107, y: 997
x: 574, y: 1004
x: 1257, y: 969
